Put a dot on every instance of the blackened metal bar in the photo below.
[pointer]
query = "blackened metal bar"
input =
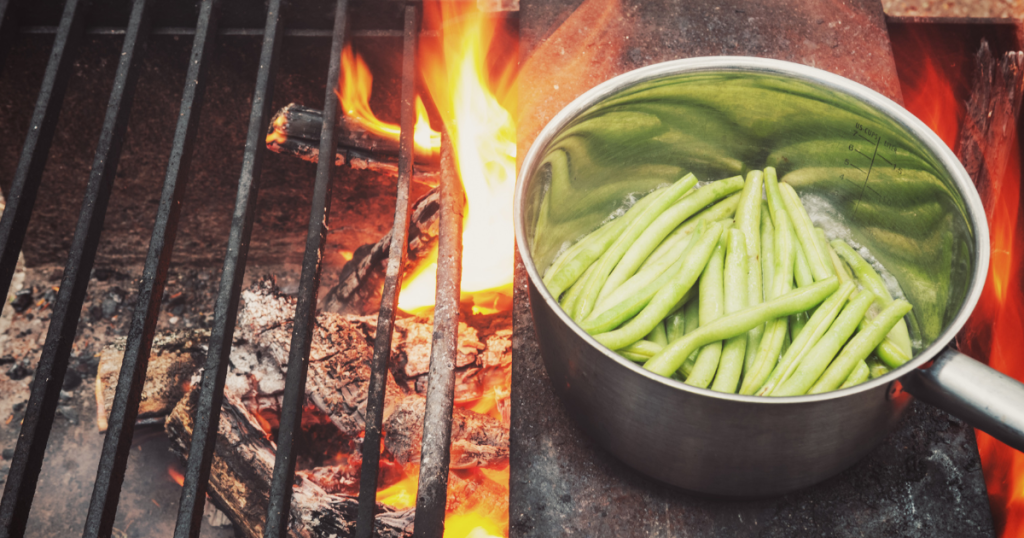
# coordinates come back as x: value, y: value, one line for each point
x: 392, y: 283
x: 211, y: 391
x: 53, y: 363
x: 305, y: 309
x: 185, y: 31
x: 125, y: 408
x: 22, y: 196
x: 431, y: 497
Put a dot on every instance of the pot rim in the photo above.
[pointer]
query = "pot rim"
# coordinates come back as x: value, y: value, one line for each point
x: 962, y: 181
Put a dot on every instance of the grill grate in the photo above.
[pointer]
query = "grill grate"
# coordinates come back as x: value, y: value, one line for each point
x: 28, y: 457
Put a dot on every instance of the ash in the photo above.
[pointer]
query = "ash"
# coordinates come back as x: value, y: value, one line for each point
x: 149, y: 497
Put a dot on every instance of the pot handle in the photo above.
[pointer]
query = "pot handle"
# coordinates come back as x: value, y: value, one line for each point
x: 984, y: 398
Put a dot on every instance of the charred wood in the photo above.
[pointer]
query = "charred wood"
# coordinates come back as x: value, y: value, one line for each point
x: 362, y: 278
x: 327, y: 473
x: 987, y: 137
x: 173, y: 360
x: 295, y: 130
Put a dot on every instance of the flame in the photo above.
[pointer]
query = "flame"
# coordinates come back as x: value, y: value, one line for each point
x: 998, y: 323
x: 996, y: 328
x: 176, y: 475
x: 469, y: 92
x: 402, y: 494
x: 354, y: 90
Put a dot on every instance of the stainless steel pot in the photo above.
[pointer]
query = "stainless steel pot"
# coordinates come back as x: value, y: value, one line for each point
x: 867, y: 169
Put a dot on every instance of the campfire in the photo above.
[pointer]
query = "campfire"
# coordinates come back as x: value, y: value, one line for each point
x: 462, y: 127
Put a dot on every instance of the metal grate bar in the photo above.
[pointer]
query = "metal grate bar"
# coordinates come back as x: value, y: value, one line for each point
x: 25, y: 186
x: 305, y: 309
x: 431, y: 497
x: 46, y: 387
x: 392, y: 283
x: 211, y: 395
x: 125, y: 408
x: 247, y: 32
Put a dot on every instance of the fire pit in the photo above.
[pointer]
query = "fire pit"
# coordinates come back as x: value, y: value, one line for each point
x: 560, y: 484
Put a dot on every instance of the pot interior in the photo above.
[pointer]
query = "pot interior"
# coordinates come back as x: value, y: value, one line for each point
x: 867, y: 171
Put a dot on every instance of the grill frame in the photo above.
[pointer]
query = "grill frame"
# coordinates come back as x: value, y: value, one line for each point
x: 25, y: 468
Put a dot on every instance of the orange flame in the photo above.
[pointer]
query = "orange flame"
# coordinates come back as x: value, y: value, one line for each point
x: 176, y: 475
x: 480, y: 511
x: 468, y: 92
x: 402, y: 494
x: 996, y: 328
x: 999, y: 319
x: 354, y: 92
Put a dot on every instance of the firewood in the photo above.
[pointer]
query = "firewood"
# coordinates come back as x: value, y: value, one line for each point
x: 324, y: 496
x: 173, y: 360
x: 477, y: 440
x: 986, y: 137
x: 295, y: 130
x: 362, y: 278
x: 243, y: 465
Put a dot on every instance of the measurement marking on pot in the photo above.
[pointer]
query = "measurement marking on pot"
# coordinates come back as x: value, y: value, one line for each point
x: 875, y: 139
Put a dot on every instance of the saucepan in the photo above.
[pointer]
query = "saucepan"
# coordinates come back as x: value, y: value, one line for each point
x: 867, y: 170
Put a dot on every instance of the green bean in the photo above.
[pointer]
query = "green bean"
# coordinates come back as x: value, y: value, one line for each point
x: 860, y: 374
x: 672, y: 357
x: 785, y: 243
x: 860, y: 346
x: 816, y: 327
x: 801, y: 270
x: 594, y: 246
x: 640, y: 282
x: 767, y: 254
x: 633, y: 230
x: 888, y: 352
x: 692, y: 315
x: 692, y: 318
x: 722, y: 210
x: 877, y: 367
x: 667, y: 296
x: 776, y: 333
x: 771, y: 189
x: 616, y: 314
x: 643, y: 347
x: 658, y: 335
x: 675, y: 324
x: 635, y: 357
x: 837, y: 263
x: 797, y: 322
x: 748, y: 221
x: 711, y: 306
x: 818, y: 359
x: 660, y: 227
x: 872, y: 281
x: 735, y: 274
x: 664, y: 250
x: 572, y: 295
x: 816, y: 259
x: 682, y: 302
x: 802, y: 274
x: 767, y: 281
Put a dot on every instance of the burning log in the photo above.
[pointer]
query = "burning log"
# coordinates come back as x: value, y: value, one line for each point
x: 295, y: 130
x: 361, y: 278
x: 990, y: 122
x: 327, y: 474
